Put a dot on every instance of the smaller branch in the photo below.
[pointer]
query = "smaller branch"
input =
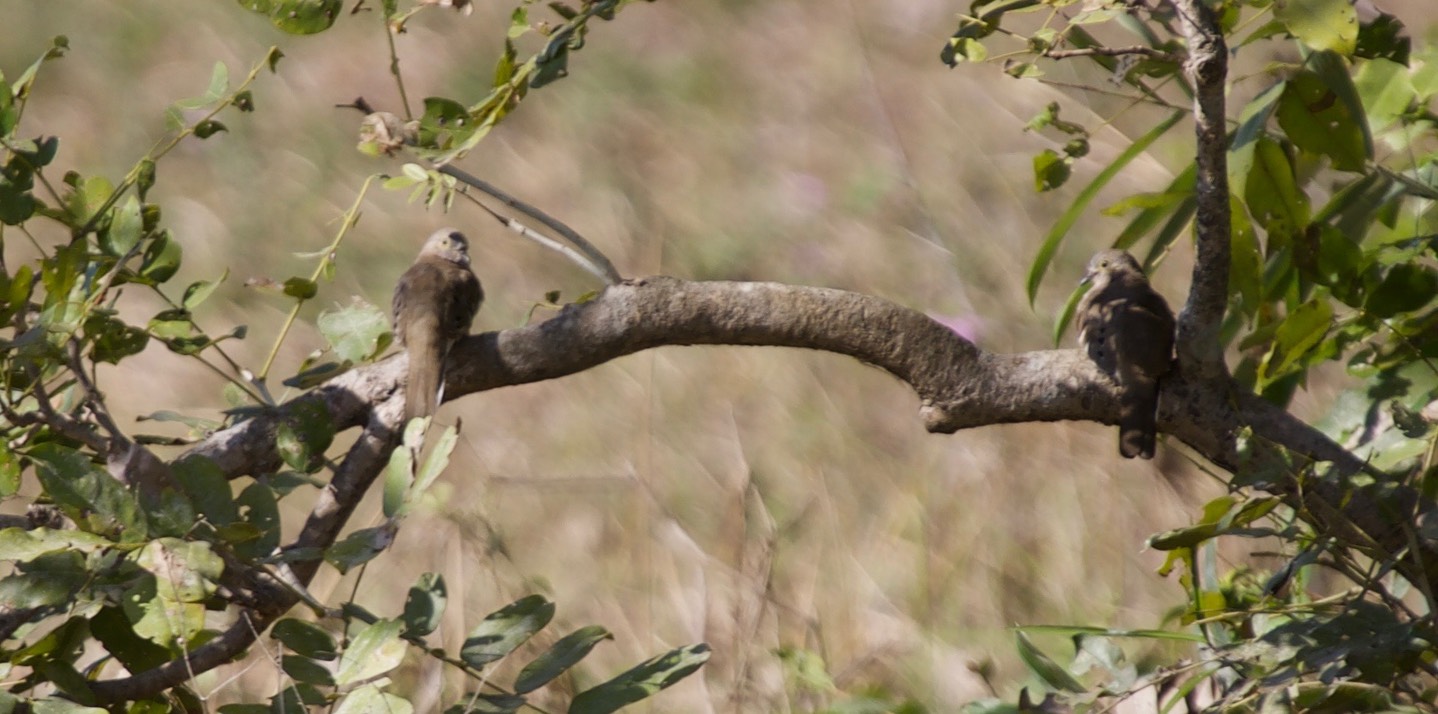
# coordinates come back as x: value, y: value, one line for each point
x: 573, y: 255
x: 94, y: 398
x: 1155, y: 101
x: 1200, y: 351
x: 362, y: 464
x: 606, y: 269
x: 394, y: 68
x: 68, y: 426
x: 1149, y: 52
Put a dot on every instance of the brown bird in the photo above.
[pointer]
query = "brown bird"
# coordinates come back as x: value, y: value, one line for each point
x: 1128, y: 330
x: 434, y: 305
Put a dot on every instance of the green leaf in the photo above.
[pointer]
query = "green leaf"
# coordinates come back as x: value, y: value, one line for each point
x: 1086, y: 196
x: 445, y: 122
x: 207, y: 488
x: 112, y: 340
x: 219, y: 81
x: 1271, y: 191
x: 209, y: 128
x: 641, y: 682
x: 262, y: 515
x: 200, y: 291
x: 52, y: 705
x: 1320, y: 24
x: 552, y: 64
x: 487, y: 704
x: 124, y: 230
x: 304, y: 669
x: 1384, y: 37
x: 167, y: 622
x: 437, y: 460
x: 9, y: 113
x: 1245, y: 278
x: 304, y: 434
x: 89, y: 194
x: 399, y: 473
x: 1406, y: 287
x: 16, y: 203
x: 1050, y: 170
x: 62, y: 643
x: 1045, y: 668
x: 113, y: 630
x: 358, y: 333
x: 559, y: 657
x: 424, y: 606
x: 1296, y: 336
x: 297, y: 17
x: 10, y: 468
x: 518, y: 23
x: 302, y: 288
x: 88, y: 495
x: 185, y: 571
x: 21, y: 545
x: 377, y: 649
x: 967, y: 49
x: 359, y: 547
x: 47, y: 580
x: 1319, y: 122
x: 1386, y: 90
x: 305, y: 638
x: 369, y: 699
x: 58, y: 45
x: 505, y: 629
x: 162, y: 258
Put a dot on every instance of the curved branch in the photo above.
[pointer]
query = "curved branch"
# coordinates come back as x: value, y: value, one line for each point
x: 1200, y: 352
x: 959, y: 384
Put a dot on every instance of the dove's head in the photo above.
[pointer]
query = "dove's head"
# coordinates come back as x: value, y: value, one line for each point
x: 447, y: 244
x: 1107, y: 263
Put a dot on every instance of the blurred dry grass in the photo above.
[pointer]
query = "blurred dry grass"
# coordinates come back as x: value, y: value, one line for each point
x: 751, y: 498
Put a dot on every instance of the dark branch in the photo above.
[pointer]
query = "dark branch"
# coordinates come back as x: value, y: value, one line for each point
x: 959, y: 385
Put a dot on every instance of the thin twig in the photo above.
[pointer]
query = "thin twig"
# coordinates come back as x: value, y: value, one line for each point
x: 600, y: 264
x: 573, y: 255
x: 351, y: 217
x: 394, y: 68
x: 1149, y: 52
x: 65, y: 424
x: 94, y: 397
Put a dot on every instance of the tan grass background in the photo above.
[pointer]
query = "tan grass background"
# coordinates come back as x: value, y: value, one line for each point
x: 754, y: 499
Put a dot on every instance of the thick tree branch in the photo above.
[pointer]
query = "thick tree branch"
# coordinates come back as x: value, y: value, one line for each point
x: 959, y: 386
x: 1200, y: 352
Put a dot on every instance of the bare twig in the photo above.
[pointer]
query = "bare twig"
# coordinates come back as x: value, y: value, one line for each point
x: 72, y: 428
x: 1149, y: 52
x: 598, y: 263
x: 573, y: 255
x: 93, y: 396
